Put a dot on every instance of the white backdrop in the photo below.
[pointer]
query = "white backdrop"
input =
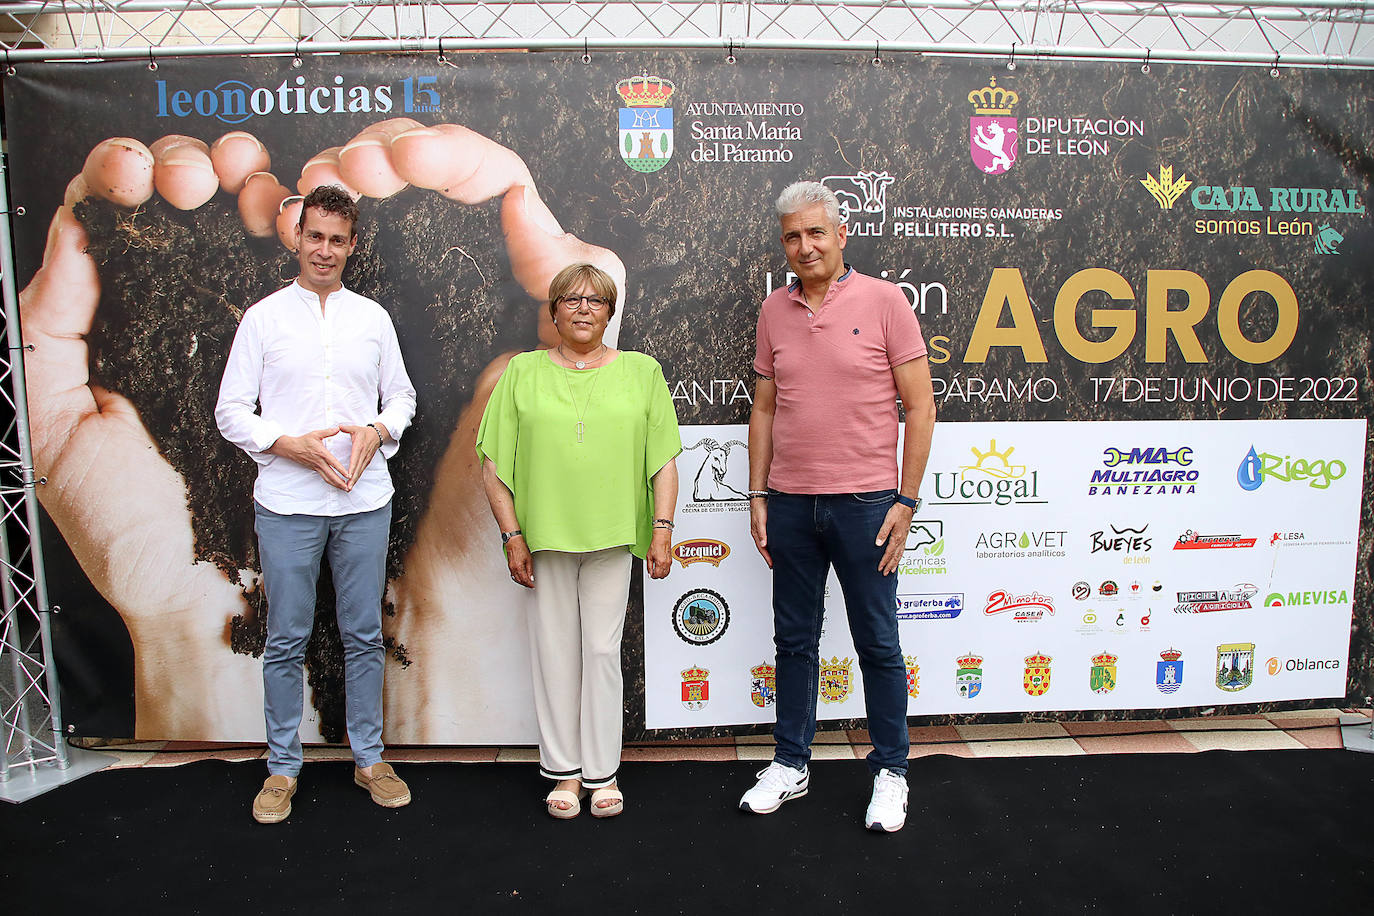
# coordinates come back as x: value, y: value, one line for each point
x: 1216, y: 566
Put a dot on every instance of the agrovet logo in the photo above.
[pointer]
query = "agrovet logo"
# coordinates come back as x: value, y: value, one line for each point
x: 234, y: 101
x: 645, y: 140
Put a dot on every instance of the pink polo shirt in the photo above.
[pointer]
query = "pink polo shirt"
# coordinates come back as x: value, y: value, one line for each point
x: 835, y: 428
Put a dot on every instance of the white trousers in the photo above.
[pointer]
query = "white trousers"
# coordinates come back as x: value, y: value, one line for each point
x: 575, y: 630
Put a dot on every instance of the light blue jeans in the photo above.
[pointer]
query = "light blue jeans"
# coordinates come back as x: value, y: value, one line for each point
x: 290, y: 547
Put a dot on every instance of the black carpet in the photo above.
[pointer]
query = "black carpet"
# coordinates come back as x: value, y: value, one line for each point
x: 1236, y: 833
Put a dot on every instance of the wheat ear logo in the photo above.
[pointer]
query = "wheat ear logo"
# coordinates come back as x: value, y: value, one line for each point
x: 1165, y: 189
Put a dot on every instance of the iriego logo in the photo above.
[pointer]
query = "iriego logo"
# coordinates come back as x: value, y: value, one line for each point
x: 234, y: 101
x: 1257, y: 467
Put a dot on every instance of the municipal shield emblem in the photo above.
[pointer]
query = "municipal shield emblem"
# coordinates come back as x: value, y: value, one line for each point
x: 1102, y: 677
x: 1235, y: 666
x: 645, y: 140
x: 696, y: 688
x: 1169, y: 671
x: 968, y: 675
x: 992, y: 132
x: 836, y: 678
x: 913, y: 676
x: 1037, y: 679
x: 764, y: 685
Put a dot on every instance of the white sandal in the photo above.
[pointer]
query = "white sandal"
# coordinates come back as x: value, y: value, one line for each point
x: 616, y: 806
x: 573, y: 799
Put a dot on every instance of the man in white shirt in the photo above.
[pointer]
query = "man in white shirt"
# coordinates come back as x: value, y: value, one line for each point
x: 319, y: 359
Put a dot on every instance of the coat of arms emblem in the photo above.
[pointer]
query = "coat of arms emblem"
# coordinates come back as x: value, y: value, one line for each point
x: 1102, y: 676
x: 968, y: 675
x: 913, y: 676
x: 992, y: 132
x: 764, y: 685
x: 836, y: 678
x: 1235, y: 666
x: 1037, y: 679
x: 1169, y: 671
x: 696, y: 687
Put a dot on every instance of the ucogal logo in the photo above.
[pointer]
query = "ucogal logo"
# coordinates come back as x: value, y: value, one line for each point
x: 700, y: 550
x: 234, y: 101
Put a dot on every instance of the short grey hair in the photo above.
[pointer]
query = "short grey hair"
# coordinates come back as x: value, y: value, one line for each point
x: 802, y: 194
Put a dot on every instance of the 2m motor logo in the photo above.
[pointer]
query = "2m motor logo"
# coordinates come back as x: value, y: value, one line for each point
x: 645, y: 140
x: 234, y: 101
x: 1256, y: 468
x: 1030, y: 608
x: 1150, y: 471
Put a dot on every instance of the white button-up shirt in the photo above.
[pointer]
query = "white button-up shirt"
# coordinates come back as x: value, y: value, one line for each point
x: 313, y: 369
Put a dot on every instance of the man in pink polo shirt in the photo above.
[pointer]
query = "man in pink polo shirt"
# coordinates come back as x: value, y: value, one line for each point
x: 835, y: 350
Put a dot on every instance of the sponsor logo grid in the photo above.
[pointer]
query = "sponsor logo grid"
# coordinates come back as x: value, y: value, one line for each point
x: 1031, y: 594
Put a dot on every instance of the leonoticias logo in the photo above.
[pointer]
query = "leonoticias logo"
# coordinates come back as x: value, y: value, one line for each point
x: 234, y: 101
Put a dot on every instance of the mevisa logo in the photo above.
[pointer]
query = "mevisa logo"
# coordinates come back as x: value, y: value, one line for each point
x: 1303, y: 599
x: 234, y: 101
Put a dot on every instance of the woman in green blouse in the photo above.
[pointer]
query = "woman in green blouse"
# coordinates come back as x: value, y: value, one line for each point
x: 578, y: 447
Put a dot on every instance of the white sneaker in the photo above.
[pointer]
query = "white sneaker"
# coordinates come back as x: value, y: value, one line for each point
x: 887, y: 810
x: 777, y: 784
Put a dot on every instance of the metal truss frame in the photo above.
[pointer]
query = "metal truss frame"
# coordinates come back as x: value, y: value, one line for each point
x: 1272, y: 33
x: 1336, y: 33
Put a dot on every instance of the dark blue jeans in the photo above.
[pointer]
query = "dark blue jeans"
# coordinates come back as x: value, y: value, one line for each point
x: 807, y: 535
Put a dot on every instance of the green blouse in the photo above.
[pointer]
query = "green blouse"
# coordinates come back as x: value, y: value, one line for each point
x: 581, y: 496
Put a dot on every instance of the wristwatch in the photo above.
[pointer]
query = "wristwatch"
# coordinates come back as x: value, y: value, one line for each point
x: 506, y: 536
x: 910, y: 503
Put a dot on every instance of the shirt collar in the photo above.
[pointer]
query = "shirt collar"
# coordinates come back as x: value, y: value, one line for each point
x: 795, y: 285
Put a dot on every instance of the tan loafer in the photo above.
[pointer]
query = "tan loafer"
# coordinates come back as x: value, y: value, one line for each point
x: 273, y: 802
x: 386, y: 788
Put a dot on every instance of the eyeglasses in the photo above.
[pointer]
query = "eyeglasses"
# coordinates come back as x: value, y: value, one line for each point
x: 573, y: 303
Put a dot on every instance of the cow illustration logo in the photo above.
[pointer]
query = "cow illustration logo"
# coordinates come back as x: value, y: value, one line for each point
x: 992, y: 131
x: 646, y: 122
x: 700, y: 617
x: 863, y: 201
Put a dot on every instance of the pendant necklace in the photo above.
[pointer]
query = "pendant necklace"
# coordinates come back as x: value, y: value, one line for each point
x: 581, y: 363
x: 581, y: 426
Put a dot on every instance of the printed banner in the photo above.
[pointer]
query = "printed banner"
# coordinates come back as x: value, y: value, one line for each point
x: 1087, y: 248
x: 1052, y: 566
